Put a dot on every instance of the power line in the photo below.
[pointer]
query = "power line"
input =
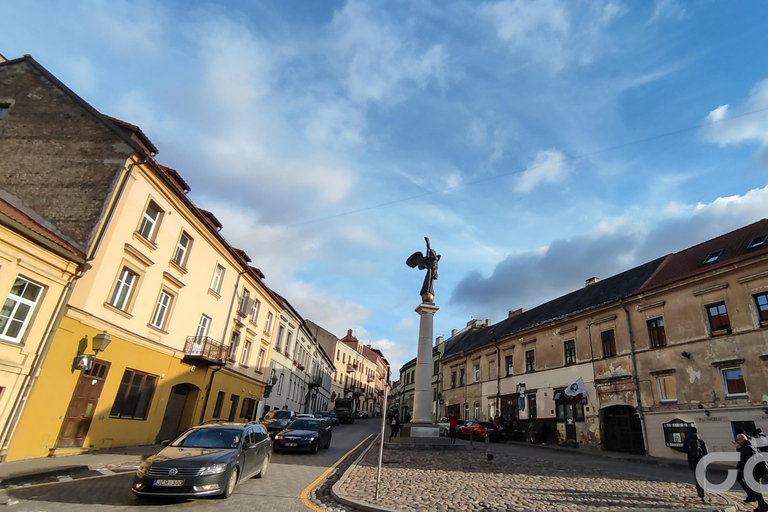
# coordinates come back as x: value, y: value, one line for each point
x: 511, y: 173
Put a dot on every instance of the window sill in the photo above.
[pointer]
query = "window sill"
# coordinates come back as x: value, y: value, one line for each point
x: 152, y: 246
x: 737, y: 396
x: 178, y: 267
x: 721, y: 332
x: 668, y: 401
x: 241, y: 365
x: 654, y: 347
x: 214, y: 293
x: 158, y: 329
x: 120, y: 312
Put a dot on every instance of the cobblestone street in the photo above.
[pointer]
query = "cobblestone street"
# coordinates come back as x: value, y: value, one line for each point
x: 522, y: 478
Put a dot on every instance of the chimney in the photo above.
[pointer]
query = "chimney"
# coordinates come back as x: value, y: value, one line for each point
x: 439, y: 340
x: 591, y: 281
x: 453, y: 332
x: 515, y: 312
x: 477, y: 324
x: 349, y: 333
x: 487, y: 322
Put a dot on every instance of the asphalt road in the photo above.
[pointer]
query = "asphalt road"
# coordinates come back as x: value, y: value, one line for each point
x: 280, y: 490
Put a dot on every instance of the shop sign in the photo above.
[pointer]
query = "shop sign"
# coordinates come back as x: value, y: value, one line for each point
x: 675, y: 433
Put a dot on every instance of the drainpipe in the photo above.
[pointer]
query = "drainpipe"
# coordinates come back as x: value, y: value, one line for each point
x: 498, y: 377
x: 42, y: 350
x: 208, y: 391
x: 634, y: 378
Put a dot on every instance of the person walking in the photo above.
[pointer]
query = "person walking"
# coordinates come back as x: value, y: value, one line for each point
x: 394, y: 425
x: 453, y: 424
x: 696, y: 449
x: 746, y: 452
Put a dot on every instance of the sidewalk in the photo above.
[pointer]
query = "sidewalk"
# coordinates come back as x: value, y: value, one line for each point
x: 88, y: 464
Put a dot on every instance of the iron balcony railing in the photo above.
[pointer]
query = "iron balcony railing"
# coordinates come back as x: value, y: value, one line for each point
x: 203, y: 348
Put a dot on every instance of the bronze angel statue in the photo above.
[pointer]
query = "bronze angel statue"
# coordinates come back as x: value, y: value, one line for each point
x: 429, y: 262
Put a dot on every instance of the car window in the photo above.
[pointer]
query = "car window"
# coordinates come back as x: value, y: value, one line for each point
x: 280, y: 415
x: 304, y: 425
x: 210, y: 438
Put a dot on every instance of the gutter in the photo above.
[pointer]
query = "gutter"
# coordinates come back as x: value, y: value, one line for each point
x: 635, y: 380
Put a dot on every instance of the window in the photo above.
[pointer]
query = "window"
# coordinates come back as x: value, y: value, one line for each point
x: 337, y: 354
x: 531, y: 407
x: 182, y: 249
x: 268, y: 324
x: 244, y: 302
x: 280, y: 384
x: 436, y: 368
x: 260, y: 361
x: 466, y: 412
x: 134, y: 395
x: 288, y: 342
x: 570, y: 352
x: 656, y: 332
x: 4, y: 108
x: 202, y: 327
x: 233, y: 342
x: 150, y: 221
x: 733, y: 382
x: 279, y: 341
x: 255, y: 311
x: 18, y: 308
x: 761, y: 301
x: 121, y: 296
x: 508, y: 364
x: 343, y: 358
x: 219, y: 404
x: 477, y: 410
x: 530, y: 361
x: 477, y: 372
x: 246, y: 353
x: 249, y: 404
x: 161, y: 310
x: 718, y: 319
x: 453, y: 379
x: 609, y: 343
x: 666, y: 386
x: 713, y: 257
x: 218, y: 277
x: 235, y: 399
x: 758, y: 241
x: 461, y: 377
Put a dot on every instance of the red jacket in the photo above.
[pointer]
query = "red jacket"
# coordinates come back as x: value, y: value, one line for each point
x: 453, y: 423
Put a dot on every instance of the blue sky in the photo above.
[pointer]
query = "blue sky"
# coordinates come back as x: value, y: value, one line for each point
x: 537, y: 144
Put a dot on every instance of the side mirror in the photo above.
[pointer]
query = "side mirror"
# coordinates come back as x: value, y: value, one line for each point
x: 165, y: 443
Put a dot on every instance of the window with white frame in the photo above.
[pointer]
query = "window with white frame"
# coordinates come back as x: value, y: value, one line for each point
x: 121, y: 295
x: 182, y: 250
x: 260, y: 361
x: 477, y: 410
x: 255, y: 311
x: 246, y: 353
x: 233, y: 343
x: 244, y: 302
x: 665, y: 384
x: 161, y: 310
x: 733, y: 382
x: 151, y: 221
x: 279, y: 340
x: 288, y: 341
x: 218, y: 277
x: 268, y: 324
x: 476, y: 371
x: 18, y: 309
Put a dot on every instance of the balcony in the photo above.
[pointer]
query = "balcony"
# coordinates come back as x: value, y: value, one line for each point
x: 351, y: 368
x: 315, y: 383
x: 205, y: 351
x: 370, y: 379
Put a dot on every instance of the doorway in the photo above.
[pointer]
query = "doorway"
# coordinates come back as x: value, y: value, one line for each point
x: 179, y: 411
x: 82, y: 407
x: 622, y: 430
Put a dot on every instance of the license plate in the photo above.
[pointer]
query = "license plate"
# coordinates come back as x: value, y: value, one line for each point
x: 169, y: 483
x: 291, y: 444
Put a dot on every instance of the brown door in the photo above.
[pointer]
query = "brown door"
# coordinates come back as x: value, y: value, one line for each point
x: 83, y: 406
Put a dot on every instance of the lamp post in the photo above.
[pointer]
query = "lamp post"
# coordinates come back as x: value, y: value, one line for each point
x: 100, y: 342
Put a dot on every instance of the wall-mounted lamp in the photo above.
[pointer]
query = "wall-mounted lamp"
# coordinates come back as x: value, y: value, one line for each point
x: 686, y: 355
x: 707, y: 413
x: 101, y: 342
x: 701, y: 406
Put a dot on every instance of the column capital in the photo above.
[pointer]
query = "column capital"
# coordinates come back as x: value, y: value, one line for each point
x: 427, y: 308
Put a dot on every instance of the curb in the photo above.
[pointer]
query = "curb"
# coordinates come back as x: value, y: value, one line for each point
x: 342, y: 498
x: 34, y: 476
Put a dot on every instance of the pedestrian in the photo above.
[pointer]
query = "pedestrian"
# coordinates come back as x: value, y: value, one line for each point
x: 453, y: 424
x: 747, y: 451
x: 407, y: 416
x: 696, y: 449
x: 394, y: 425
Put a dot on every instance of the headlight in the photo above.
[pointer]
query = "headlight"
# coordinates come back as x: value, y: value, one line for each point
x: 214, y: 469
x: 279, y: 436
x: 311, y: 438
x: 145, y: 466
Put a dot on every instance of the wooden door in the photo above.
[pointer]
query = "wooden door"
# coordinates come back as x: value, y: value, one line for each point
x: 173, y: 412
x: 82, y: 407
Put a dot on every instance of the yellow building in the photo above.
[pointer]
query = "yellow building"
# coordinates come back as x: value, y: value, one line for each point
x: 170, y: 326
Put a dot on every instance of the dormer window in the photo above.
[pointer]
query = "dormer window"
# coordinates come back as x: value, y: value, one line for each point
x: 758, y: 241
x: 713, y: 257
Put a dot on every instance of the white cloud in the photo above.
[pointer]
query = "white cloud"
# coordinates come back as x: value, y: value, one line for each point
x: 548, y: 167
x: 668, y: 10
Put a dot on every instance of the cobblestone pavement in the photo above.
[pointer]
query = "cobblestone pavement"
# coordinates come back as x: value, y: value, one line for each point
x: 521, y: 479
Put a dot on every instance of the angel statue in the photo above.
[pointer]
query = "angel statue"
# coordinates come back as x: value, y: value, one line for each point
x: 428, y: 262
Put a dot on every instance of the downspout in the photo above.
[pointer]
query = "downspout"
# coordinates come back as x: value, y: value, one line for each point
x: 223, y: 337
x: 498, y: 378
x: 42, y: 350
x: 634, y: 378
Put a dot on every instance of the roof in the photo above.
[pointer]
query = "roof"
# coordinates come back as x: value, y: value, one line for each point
x: 603, y: 292
x: 132, y: 128
x: 25, y: 221
x: 733, y: 247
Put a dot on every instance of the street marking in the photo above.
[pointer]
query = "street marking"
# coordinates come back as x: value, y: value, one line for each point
x: 305, y: 492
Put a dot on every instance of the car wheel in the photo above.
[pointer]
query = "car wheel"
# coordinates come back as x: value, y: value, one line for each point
x: 264, y: 466
x: 231, y: 483
x: 314, y: 447
x: 328, y: 444
x: 475, y: 436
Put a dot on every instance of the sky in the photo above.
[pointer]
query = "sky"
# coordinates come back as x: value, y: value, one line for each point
x: 536, y: 143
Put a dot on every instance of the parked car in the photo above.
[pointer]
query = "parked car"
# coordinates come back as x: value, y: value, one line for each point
x: 304, y: 435
x: 277, y: 420
x: 445, y: 429
x: 208, y: 459
x: 305, y: 415
x: 334, y: 420
x: 477, y: 430
x: 361, y: 415
x: 328, y: 416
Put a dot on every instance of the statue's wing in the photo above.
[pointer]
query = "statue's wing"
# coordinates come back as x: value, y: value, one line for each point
x: 415, y: 260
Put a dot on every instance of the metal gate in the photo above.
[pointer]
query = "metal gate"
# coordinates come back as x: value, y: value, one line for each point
x: 622, y: 431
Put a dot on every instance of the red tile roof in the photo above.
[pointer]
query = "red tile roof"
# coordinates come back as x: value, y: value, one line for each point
x: 25, y: 220
x: 132, y: 128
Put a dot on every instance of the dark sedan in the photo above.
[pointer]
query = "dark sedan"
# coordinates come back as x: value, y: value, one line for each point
x: 208, y: 459
x: 277, y: 420
x: 304, y: 435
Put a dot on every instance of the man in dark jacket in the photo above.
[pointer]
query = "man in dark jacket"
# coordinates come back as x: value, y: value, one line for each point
x: 747, y: 451
x: 696, y: 449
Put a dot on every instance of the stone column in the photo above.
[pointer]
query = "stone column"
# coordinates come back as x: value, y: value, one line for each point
x: 422, y: 395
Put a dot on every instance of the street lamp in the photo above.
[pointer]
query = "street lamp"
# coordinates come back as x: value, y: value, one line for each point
x: 100, y: 342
